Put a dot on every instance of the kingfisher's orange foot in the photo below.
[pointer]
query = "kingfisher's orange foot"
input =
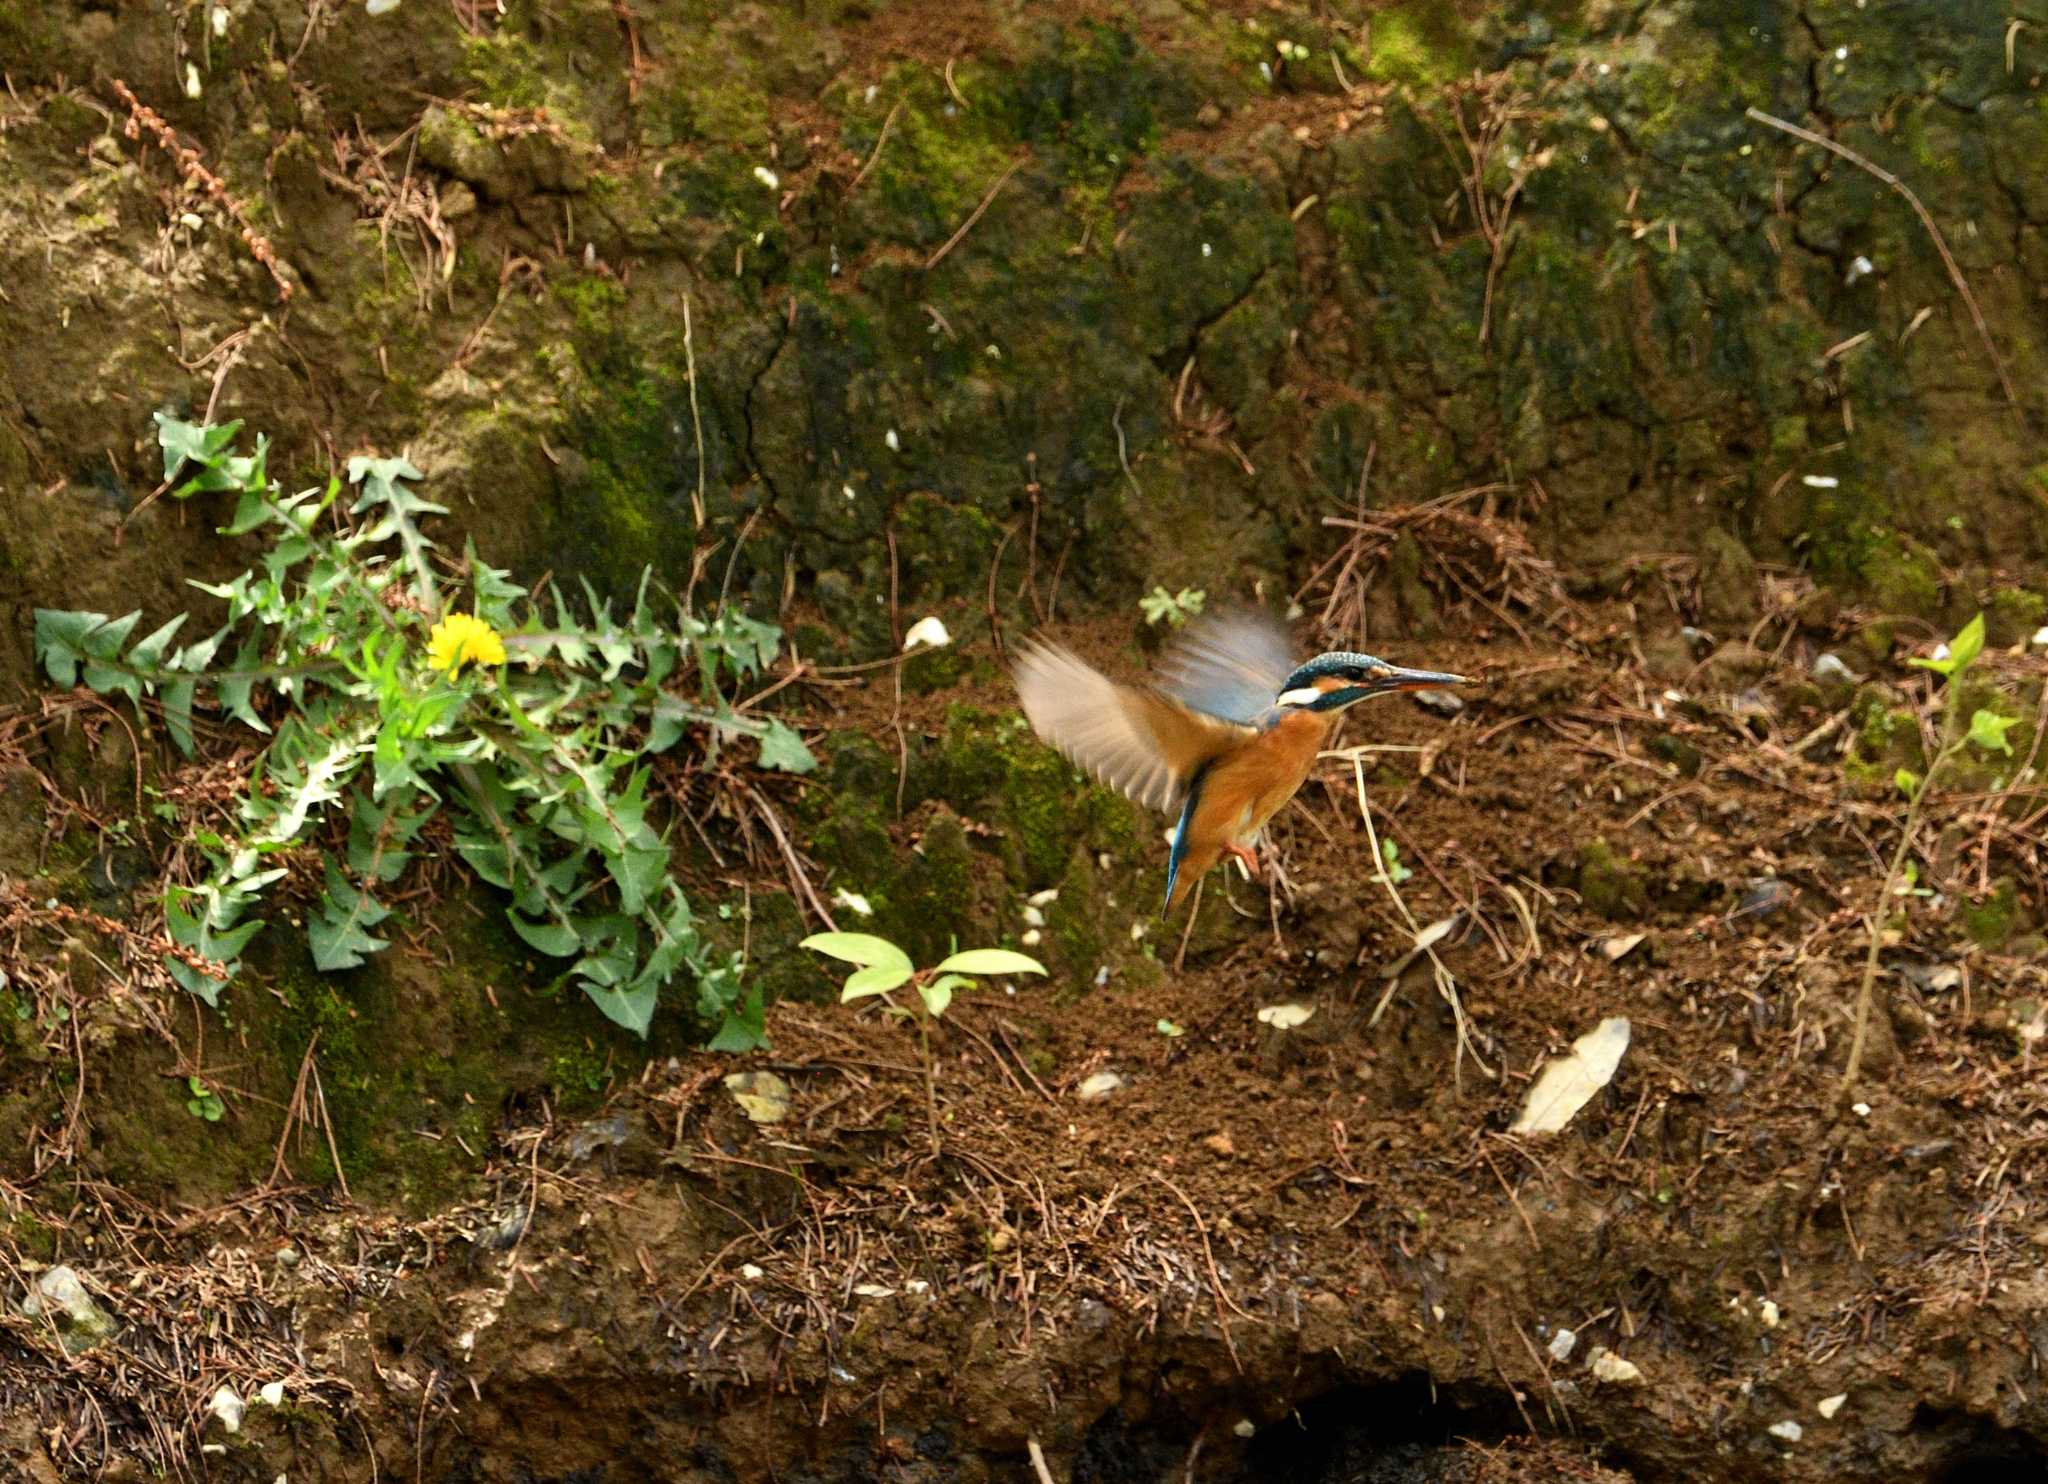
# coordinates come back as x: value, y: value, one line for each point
x: 1248, y: 857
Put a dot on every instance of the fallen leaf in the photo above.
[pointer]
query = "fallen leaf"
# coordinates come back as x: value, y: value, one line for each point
x: 1286, y: 1017
x: 1614, y: 950
x: 762, y: 1096
x: 1569, y: 1082
x: 1098, y: 1087
x: 1425, y: 940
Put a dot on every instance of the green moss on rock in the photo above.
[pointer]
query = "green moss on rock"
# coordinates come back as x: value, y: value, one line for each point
x: 1609, y: 884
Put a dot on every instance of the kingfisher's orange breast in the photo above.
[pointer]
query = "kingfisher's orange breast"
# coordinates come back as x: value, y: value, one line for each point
x: 1246, y: 788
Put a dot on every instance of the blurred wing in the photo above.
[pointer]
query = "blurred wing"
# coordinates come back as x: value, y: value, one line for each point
x: 1231, y: 664
x: 1138, y: 742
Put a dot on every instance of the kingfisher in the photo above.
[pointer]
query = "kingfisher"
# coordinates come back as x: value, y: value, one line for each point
x: 1227, y: 736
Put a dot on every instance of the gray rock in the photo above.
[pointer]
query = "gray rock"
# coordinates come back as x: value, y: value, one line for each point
x: 58, y: 1296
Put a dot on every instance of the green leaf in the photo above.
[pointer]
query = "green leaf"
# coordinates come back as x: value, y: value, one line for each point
x: 991, y: 961
x: 639, y: 871
x: 60, y: 641
x: 148, y: 653
x: 938, y: 994
x: 1967, y: 644
x: 744, y: 1027
x: 864, y: 982
x: 783, y: 750
x: 1168, y: 1028
x: 859, y: 948
x: 338, y: 934
x: 1907, y: 781
x: 551, y: 938
x: 631, y: 1008
x: 1988, y: 729
x: 177, y: 701
x: 1965, y: 647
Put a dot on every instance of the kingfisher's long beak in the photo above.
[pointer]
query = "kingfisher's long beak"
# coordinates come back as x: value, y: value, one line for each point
x: 1399, y: 679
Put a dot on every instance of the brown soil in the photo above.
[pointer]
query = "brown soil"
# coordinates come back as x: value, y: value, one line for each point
x: 1326, y: 1233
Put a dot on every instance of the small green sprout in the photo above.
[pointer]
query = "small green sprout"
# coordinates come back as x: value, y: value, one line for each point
x: 880, y: 967
x: 1175, y: 608
x: 205, y: 1102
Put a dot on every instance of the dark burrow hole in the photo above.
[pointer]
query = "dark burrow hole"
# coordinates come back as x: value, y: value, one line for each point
x: 1396, y: 1432
x: 1978, y: 1452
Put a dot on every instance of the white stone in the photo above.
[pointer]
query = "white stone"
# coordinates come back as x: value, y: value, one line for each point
x: 1829, y: 1405
x: 1787, y: 1431
x: 1613, y: 1369
x: 228, y: 1408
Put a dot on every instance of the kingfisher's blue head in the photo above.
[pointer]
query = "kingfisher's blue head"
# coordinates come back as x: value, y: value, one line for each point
x: 1332, y: 681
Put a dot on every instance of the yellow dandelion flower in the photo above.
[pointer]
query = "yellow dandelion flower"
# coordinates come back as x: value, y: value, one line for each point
x: 460, y: 638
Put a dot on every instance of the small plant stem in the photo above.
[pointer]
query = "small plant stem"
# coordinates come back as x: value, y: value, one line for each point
x: 931, y: 1093
x: 1950, y: 745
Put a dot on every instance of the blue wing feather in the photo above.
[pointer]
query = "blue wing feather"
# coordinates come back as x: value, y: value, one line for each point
x: 1229, y: 665
x: 1179, y: 849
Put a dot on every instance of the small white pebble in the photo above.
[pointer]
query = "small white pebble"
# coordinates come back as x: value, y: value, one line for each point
x: 752, y: 1272
x: 1787, y: 1431
x: 220, y: 20
x: 271, y: 1394
x: 1829, y: 1405
x: 1206, y: 250
x: 1138, y: 930
x: 853, y: 902
x: 1768, y: 1312
x: 191, y: 221
x: 228, y: 1408
x: 1032, y: 938
x: 1244, y: 1428
x: 1820, y: 481
x: 2041, y: 635
x: 193, y: 87
x: 1044, y: 898
x: 993, y: 353
x: 890, y: 438
x: 1561, y: 1343
x: 1841, y: 54
x: 1862, y: 1110
x: 1033, y: 917
x: 1611, y: 1368
x: 767, y: 177
x: 927, y: 631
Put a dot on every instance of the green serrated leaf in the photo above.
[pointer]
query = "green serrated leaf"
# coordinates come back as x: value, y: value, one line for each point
x: 991, y: 961
x: 639, y: 871
x: 631, y: 1008
x: 783, y: 750
x: 552, y: 938
x: 60, y: 641
x: 859, y: 948
x: 738, y: 1034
